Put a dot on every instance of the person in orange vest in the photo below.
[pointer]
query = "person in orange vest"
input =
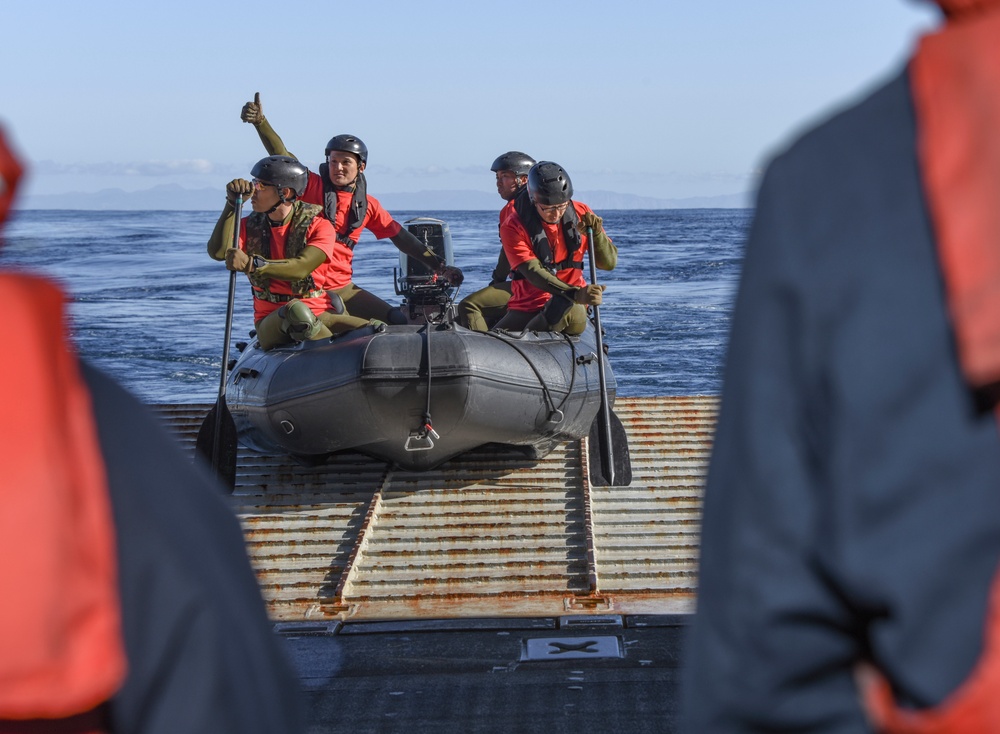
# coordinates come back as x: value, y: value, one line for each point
x: 342, y: 190
x: 482, y: 309
x: 851, y: 530
x: 129, y: 604
x: 544, y: 238
x: 289, y: 252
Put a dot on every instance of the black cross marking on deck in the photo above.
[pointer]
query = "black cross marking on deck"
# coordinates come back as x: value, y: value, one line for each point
x: 561, y: 647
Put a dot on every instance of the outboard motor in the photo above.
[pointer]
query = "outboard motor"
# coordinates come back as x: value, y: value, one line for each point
x: 425, y: 297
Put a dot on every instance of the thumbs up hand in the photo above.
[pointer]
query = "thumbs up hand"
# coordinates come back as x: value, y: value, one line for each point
x: 252, y: 111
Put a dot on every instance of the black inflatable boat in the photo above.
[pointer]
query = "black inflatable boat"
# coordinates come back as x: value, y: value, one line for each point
x: 421, y: 393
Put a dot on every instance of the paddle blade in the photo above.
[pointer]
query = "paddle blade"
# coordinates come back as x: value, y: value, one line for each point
x: 217, y: 443
x: 609, y: 467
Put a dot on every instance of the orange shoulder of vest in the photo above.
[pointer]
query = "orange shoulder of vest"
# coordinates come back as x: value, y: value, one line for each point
x: 955, y: 81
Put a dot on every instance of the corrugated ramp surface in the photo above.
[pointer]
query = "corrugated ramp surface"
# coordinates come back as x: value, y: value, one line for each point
x: 485, y: 535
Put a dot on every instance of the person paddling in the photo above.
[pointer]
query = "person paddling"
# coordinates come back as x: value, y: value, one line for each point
x: 544, y: 238
x: 482, y: 309
x: 287, y: 251
x: 341, y: 190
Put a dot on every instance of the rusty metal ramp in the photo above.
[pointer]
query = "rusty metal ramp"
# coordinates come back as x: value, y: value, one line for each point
x: 489, y: 534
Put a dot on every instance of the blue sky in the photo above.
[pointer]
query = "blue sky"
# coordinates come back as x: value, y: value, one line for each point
x: 656, y: 98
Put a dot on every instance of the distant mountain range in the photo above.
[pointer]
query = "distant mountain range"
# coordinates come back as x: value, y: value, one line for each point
x: 173, y: 197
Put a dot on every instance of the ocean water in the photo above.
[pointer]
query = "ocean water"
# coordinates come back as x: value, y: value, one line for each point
x: 149, y: 305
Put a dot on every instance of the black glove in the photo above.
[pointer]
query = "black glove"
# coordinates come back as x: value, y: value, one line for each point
x: 451, y: 274
x: 236, y: 187
x: 253, y: 112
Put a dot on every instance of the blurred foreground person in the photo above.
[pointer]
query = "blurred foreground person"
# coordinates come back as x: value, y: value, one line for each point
x: 128, y: 603
x: 851, y: 530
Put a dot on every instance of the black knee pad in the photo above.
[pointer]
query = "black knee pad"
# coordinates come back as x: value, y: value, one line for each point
x: 556, y: 308
x: 336, y: 303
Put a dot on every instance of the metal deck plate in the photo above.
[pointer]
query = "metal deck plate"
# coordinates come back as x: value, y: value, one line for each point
x: 489, y: 534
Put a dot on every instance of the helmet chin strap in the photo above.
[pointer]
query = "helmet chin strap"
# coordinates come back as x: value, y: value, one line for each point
x: 351, y: 186
x: 281, y: 200
x: 520, y: 187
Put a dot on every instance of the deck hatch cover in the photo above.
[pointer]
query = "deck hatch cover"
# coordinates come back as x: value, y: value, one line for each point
x: 566, y: 648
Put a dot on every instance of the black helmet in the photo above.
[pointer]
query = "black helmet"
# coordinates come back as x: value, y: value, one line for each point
x: 513, y: 160
x: 282, y: 171
x: 348, y: 144
x: 549, y: 184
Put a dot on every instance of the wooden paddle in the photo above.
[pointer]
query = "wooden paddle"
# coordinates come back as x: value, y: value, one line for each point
x: 606, y: 432
x: 217, y: 439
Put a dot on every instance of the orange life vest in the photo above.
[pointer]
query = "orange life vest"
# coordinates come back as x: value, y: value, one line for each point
x: 60, y: 627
